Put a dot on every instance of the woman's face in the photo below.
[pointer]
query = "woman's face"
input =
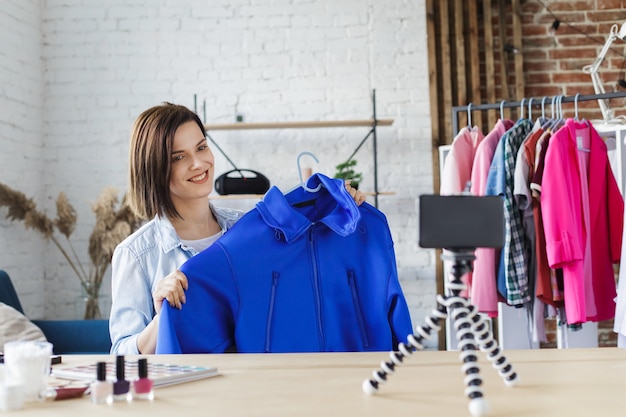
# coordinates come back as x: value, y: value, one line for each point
x: 192, y: 164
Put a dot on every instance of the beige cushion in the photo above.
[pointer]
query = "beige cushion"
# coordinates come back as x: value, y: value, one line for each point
x: 15, y: 326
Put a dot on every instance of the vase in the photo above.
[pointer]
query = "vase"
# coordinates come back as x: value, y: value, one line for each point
x: 90, y: 305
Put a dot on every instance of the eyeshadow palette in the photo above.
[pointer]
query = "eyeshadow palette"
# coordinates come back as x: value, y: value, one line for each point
x: 161, y: 374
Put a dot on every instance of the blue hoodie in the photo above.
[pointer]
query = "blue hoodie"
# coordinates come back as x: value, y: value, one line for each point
x: 302, y: 272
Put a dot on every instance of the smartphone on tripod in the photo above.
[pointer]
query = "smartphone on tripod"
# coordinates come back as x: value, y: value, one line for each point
x: 461, y: 222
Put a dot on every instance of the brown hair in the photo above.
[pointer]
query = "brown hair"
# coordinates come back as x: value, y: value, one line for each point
x: 151, y: 142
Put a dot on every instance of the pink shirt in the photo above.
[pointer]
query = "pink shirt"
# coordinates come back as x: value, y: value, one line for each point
x: 457, y: 169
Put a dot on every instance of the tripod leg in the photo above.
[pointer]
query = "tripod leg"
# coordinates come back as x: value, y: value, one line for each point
x: 488, y: 344
x: 370, y: 386
x: 460, y: 314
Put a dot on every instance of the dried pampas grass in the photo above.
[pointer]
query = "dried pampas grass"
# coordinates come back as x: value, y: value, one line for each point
x: 113, y: 223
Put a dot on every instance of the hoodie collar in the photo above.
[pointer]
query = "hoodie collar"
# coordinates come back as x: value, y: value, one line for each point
x: 279, y: 211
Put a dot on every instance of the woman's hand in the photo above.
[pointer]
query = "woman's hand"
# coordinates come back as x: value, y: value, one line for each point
x: 171, y: 288
x: 357, y: 195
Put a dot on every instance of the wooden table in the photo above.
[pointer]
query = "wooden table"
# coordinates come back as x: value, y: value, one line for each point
x: 574, y: 382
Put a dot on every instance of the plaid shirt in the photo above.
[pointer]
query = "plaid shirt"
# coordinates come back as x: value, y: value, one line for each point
x: 515, y: 270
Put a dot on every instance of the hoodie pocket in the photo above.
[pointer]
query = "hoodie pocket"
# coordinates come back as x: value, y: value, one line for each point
x: 358, y: 311
x: 270, y: 312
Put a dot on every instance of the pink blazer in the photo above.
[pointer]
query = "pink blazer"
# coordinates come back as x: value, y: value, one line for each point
x: 564, y: 206
x: 483, y: 291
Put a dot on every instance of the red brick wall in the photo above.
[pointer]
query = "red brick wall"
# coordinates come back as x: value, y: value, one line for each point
x: 553, y: 62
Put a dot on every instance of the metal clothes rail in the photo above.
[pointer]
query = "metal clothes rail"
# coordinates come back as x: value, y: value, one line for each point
x: 536, y: 101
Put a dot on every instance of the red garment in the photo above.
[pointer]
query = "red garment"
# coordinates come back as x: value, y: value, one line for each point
x: 549, y: 288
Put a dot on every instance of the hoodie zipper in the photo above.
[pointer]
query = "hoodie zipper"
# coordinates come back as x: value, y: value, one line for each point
x: 357, y: 307
x: 270, y: 313
x: 316, y: 288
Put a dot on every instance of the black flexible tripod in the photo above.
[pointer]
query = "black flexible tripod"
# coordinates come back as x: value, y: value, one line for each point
x: 471, y: 329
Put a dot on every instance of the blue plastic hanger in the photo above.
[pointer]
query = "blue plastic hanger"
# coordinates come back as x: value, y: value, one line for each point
x: 302, y: 183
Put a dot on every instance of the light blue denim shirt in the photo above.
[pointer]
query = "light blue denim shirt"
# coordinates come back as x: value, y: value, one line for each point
x: 138, y: 264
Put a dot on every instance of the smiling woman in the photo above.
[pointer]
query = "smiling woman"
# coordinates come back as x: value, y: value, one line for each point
x: 171, y: 176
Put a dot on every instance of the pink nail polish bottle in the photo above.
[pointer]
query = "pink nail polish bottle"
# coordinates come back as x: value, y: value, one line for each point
x: 101, y: 389
x: 142, y: 387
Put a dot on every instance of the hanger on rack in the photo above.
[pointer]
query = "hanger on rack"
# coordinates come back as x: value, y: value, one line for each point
x: 469, y: 116
x: 543, y: 119
x: 556, y: 114
x: 581, y: 142
x: 576, y: 110
x: 547, y: 120
x: 559, y: 110
x: 543, y: 106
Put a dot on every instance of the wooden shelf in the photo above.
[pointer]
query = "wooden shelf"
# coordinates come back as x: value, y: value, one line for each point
x: 260, y: 196
x: 379, y: 193
x: 236, y: 197
x: 298, y: 125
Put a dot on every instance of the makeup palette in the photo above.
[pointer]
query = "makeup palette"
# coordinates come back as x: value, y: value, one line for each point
x: 160, y: 373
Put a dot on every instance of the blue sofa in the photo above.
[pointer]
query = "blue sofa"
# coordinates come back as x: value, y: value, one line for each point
x: 66, y: 336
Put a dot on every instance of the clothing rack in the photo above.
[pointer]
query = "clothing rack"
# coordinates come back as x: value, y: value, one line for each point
x: 524, y: 102
x: 507, y: 316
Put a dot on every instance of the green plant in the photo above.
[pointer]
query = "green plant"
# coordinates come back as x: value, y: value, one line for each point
x: 113, y: 224
x: 346, y: 171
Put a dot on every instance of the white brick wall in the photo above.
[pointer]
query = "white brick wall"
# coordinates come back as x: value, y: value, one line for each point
x: 102, y: 63
x: 22, y: 144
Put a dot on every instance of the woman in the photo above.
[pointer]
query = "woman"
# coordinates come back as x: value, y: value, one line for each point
x: 168, y: 139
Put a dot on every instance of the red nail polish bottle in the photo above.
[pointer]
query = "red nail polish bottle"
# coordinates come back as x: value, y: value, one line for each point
x: 142, y: 387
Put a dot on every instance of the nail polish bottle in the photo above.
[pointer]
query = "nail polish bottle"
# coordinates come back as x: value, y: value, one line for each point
x: 121, y: 387
x: 142, y: 387
x: 101, y: 389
